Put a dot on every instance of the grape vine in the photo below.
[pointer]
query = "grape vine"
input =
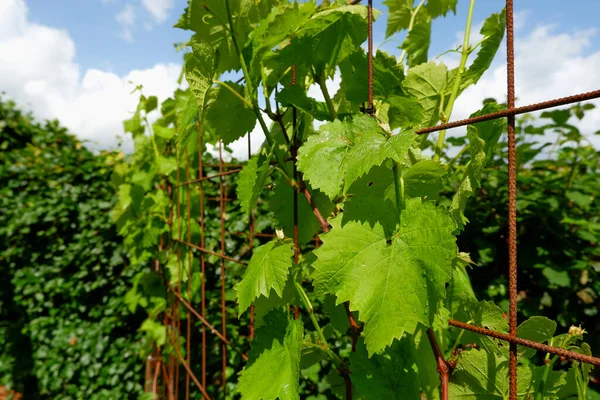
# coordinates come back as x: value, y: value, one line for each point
x: 368, y: 183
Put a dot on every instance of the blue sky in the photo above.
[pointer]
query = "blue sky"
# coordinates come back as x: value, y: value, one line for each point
x: 75, y: 60
x: 97, y: 34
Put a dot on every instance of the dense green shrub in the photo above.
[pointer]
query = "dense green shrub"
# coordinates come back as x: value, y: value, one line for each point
x: 65, y: 332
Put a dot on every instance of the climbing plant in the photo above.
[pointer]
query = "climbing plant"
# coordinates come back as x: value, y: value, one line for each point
x: 389, y: 204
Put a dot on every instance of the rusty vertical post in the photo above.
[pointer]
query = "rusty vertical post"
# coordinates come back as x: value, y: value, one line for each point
x: 202, y: 260
x: 294, y: 151
x: 175, y: 314
x: 512, y: 198
x: 223, y: 309
x: 371, y: 109
x: 188, y: 336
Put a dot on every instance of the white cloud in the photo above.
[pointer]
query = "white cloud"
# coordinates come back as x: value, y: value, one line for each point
x: 158, y: 8
x: 127, y: 20
x: 38, y: 70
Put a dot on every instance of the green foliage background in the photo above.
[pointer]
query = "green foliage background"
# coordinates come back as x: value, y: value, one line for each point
x: 64, y: 330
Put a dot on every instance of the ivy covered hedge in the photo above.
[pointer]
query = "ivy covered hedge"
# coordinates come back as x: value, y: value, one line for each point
x: 65, y: 332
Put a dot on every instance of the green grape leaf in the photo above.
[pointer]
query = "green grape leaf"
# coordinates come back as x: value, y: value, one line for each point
x: 399, y: 14
x: 437, y: 8
x: 162, y: 131
x: 395, y: 282
x: 327, y: 38
x: 251, y: 181
x: 483, y: 137
x: 460, y: 298
x: 263, y: 305
x: 209, y: 22
x: 294, y: 95
x: 424, y: 179
x: 387, y: 77
x: 404, y: 112
x: 282, y: 206
x: 490, y: 316
x: 577, y: 376
x: 165, y: 165
x: 418, y: 40
x: 268, y: 269
x: 483, y: 375
x: 228, y: 117
x: 493, y: 33
x: 389, y: 375
x: 428, y: 83
x: 342, y: 152
x: 275, y: 30
x: 200, y: 68
x: 371, y: 150
x: 548, y: 387
x: 536, y: 329
x: 273, y: 368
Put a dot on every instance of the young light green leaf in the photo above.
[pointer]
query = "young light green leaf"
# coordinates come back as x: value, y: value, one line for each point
x: 418, y: 39
x: 387, y: 76
x: 349, y: 150
x: 251, y: 181
x: 404, y: 112
x: 483, y: 137
x: 395, y: 282
x: 273, y: 368
x: 399, y: 14
x: 228, y: 117
x: 548, y: 386
x: 326, y: 39
x: 282, y: 206
x: 162, y: 131
x: 389, y: 375
x: 200, y: 68
x: 536, y: 329
x: 424, y: 179
x: 437, y: 8
x: 268, y: 269
x: 493, y: 33
x: 276, y: 29
x: 428, y: 83
x: 484, y: 375
x: 294, y: 95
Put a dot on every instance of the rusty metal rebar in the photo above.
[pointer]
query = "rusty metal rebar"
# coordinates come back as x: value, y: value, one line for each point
x: 220, y: 175
x: 223, y: 308
x: 211, y: 328
x: 512, y: 199
x: 202, y: 245
x: 514, y: 111
x: 527, y: 343
x: 203, y: 250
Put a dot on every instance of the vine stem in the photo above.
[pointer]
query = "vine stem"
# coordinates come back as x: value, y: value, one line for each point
x: 459, y: 75
x: 323, y: 85
x: 398, y: 186
x: 413, y: 17
x: 442, y: 365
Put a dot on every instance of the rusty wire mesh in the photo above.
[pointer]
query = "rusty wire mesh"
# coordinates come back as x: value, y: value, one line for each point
x: 171, y: 369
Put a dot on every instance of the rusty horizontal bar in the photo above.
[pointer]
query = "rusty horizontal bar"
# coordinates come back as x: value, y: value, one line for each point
x: 202, y: 249
x: 189, y: 370
x: 527, y: 343
x: 205, y: 178
x: 513, y: 111
x: 205, y: 322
